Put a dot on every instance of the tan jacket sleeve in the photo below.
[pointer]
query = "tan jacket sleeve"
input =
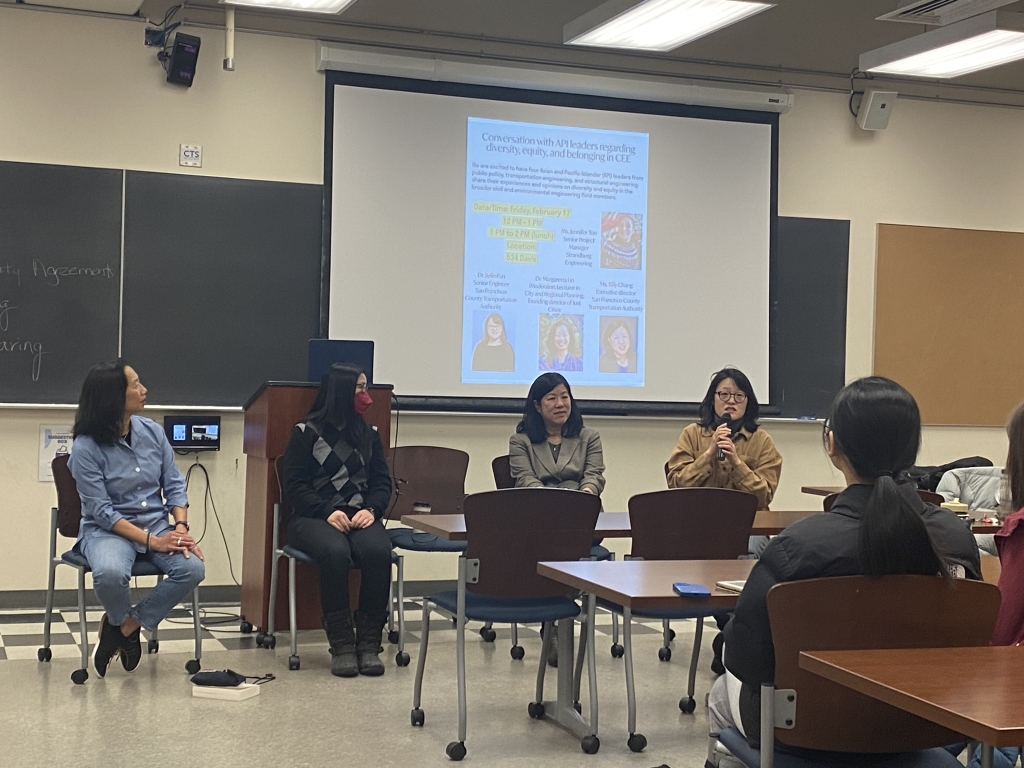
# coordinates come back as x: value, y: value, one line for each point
x: 687, y: 466
x: 763, y: 478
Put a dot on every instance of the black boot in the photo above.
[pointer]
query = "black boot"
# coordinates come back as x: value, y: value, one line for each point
x: 716, y: 662
x: 368, y: 648
x: 338, y: 626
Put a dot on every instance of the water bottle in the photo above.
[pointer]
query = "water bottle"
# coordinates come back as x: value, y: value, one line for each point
x: 1004, y: 501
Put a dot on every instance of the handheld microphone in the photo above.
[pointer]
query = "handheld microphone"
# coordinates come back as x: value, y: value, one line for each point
x: 726, y: 418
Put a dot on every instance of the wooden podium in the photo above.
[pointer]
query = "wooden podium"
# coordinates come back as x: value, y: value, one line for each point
x: 270, y: 414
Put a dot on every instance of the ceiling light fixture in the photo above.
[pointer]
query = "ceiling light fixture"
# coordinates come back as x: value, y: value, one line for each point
x: 308, y: 6
x: 971, y: 45
x: 656, y: 25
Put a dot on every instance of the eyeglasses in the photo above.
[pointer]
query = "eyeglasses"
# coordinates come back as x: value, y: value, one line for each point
x: 737, y: 397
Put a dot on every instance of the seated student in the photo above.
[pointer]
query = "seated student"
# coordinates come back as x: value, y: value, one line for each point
x: 877, y: 526
x: 128, y: 481
x: 978, y: 488
x: 552, y: 448
x: 338, y: 484
x: 1009, y: 541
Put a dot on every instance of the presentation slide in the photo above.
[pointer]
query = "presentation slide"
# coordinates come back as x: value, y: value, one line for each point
x: 481, y: 242
x: 554, y: 258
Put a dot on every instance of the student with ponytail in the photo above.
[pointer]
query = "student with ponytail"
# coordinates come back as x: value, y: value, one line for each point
x: 877, y: 526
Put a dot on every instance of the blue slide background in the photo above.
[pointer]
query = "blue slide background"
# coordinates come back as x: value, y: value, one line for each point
x: 556, y: 218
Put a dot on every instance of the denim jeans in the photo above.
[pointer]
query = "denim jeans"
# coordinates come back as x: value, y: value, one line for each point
x: 111, y: 559
x: 1003, y: 757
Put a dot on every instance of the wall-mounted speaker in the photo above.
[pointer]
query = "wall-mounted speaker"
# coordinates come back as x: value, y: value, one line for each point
x: 875, y: 110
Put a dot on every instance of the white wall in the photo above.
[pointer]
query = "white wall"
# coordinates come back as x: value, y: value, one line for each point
x: 107, y: 105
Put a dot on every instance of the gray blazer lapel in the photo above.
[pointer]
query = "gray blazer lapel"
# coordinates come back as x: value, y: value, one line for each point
x: 542, y: 454
x: 570, y: 445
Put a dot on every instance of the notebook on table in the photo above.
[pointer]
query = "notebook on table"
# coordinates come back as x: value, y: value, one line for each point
x: 731, y: 586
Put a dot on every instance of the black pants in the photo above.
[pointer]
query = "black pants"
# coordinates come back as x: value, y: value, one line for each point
x: 334, y: 552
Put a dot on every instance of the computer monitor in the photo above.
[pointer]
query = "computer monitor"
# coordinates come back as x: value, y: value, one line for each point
x: 198, y: 432
x: 323, y: 353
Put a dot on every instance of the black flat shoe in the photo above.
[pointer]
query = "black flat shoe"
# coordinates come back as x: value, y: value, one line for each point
x: 107, y: 647
x: 131, y: 650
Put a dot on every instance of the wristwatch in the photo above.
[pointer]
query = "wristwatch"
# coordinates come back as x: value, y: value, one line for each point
x: 182, y: 522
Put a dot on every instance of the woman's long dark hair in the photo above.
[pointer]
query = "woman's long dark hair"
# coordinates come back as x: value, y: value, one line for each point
x: 876, y: 425
x: 1015, y: 458
x: 533, y: 423
x: 706, y: 409
x: 101, y: 404
x: 333, y: 405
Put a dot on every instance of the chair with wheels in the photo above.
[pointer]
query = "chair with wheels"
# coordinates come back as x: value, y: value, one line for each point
x: 682, y: 524
x: 509, y: 531
x: 267, y: 639
x: 66, y: 517
x: 805, y: 711
x: 428, y: 480
x: 502, y: 471
x: 926, y: 496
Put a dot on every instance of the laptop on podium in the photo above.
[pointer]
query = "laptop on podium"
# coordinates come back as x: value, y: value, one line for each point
x: 323, y: 353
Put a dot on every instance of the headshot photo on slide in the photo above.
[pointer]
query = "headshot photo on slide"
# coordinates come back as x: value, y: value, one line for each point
x: 561, y: 343
x: 494, y: 339
x: 618, y: 344
x: 621, y: 240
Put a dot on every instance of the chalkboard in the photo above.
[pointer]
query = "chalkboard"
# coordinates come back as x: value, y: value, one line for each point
x: 807, y: 346
x: 221, y: 284
x: 60, y: 278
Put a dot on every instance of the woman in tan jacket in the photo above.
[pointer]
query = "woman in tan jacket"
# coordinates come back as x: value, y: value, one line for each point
x: 727, y: 448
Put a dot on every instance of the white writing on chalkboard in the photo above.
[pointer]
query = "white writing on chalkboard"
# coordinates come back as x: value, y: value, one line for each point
x: 5, y: 309
x: 56, y: 273
x: 10, y: 270
x: 33, y: 348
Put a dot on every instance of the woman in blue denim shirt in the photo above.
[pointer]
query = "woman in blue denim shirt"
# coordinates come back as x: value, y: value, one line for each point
x: 128, y: 482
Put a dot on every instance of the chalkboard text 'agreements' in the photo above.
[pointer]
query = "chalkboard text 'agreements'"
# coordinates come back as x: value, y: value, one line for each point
x: 60, y: 278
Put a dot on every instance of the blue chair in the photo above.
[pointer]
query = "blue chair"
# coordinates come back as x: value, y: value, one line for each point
x: 509, y: 532
x: 502, y: 472
x: 67, y: 516
x: 429, y: 480
x: 681, y: 524
x: 805, y: 711
x: 294, y: 555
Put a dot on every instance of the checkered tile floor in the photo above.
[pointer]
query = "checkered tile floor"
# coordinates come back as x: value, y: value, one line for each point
x: 21, y: 632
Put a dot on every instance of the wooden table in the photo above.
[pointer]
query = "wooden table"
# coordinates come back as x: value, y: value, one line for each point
x: 822, y: 490
x: 647, y: 584
x: 611, y: 525
x: 978, y: 692
x: 615, y: 525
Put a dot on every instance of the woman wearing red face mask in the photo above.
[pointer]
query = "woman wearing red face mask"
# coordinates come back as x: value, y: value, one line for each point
x: 338, y: 484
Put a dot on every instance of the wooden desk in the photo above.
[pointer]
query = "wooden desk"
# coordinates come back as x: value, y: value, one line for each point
x: 822, y: 490
x: 978, y: 692
x: 611, y: 525
x: 647, y: 584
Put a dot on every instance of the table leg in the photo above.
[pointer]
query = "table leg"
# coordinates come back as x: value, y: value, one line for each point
x: 562, y: 711
x: 986, y: 756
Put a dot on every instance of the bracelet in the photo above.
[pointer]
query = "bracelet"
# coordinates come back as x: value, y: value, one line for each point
x: 148, y: 534
x: 182, y: 522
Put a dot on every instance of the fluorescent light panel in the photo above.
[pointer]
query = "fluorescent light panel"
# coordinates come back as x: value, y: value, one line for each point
x: 656, y: 25
x: 309, y: 6
x: 985, y: 41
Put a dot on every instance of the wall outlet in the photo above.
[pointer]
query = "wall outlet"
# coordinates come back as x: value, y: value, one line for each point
x: 190, y: 155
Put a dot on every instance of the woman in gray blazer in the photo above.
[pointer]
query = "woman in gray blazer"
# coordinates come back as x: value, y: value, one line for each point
x: 551, y: 447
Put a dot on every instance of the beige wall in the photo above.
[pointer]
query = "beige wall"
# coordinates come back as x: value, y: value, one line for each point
x: 107, y: 105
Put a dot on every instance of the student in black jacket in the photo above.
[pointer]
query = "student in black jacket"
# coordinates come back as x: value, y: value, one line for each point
x: 338, y: 484
x: 877, y: 526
